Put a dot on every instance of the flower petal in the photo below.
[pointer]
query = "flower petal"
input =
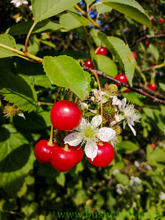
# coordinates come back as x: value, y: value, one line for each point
x: 91, y: 149
x: 133, y: 130
x: 82, y: 124
x: 123, y: 103
x: 116, y: 101
x: 106, y: 134
x: 96, y: 121
x: 73, y: 139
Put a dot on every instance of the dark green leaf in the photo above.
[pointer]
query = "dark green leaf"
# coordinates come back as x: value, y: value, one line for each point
x: 16, y: 160
x: 24, y: 27
x: 122, y: 53
x: 122, y: 178
x: 18, y: 91
x: 130, y: 8
x: 66, y: 72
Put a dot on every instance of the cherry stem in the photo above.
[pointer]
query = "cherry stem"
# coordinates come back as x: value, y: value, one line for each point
x: 44, y: 103
x: 28, y: 36
x: 101, y: 100
x: 25, y: 56
x: 85, y: 14
x: 66, y: 147
x: 50, y: 143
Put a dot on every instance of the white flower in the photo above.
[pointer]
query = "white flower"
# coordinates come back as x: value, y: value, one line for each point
x: 97, y: 97
x: 17, y: 3
x: 83, y: 106
x: 90, y: 134
x: 135, y: 183
x: 128, y: 113
x: 120, y: 189
x: 162, y: 196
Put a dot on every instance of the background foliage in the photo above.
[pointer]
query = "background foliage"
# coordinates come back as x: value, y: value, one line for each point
x: 62, y: 35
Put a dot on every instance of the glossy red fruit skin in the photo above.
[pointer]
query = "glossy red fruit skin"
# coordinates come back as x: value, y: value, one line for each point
x: 104, y: 156
x: 152, y: 145
x: 43, y: 152
x: 153, y: 63
x: 121, y: 78
x: 79, y: 152
x: 65, y: 115
x: 152, y: 86
x: 134, y: 55
x: 101, y: 51
x: 127, y: 90
x: 89, y: 64
x: 161, y: 20
x: 63, y: 160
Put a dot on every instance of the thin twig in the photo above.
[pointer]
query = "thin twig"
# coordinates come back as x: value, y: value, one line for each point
x: 101, y: 73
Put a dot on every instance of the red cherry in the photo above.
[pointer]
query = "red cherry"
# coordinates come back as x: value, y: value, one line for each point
x: 161, y: 20
x: 89, y: 64
x: 153, y: 63
x: 152, y: 86
x: 63, y: 159
x: 101, y: 51
x: 152, y: 145
x: 43, y: 151
x: 134, y: 55
x: 65, y: 115
x: 147, y: 42
x: 78, y: 151
x: 121, y: 78
x: 104, y: 156
x: 127, y: 90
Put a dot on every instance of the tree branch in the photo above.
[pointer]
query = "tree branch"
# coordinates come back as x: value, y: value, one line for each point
x: 101, y: 73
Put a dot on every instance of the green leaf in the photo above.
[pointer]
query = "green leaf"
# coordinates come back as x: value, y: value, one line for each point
x: 122, y: 53
x: 73, y: 20
x: 155, y: 156
x: 106, y: 65
x: 18, y: 91
x: 154, y: 51
x: 24, y: 27
x: 122, y: 178
x: 16, y: 160
x: 134, y: 98
x: 162, y: 86
x: 130, y: 8
x: 93, y: 33
x: 45, y: 9
x: 101, y: 8
x: 61, y: 179
x: 66, y: 72
x: 126, y: 147
x: 89, y: 1
x: 8, y: 41
x: 84, y: 21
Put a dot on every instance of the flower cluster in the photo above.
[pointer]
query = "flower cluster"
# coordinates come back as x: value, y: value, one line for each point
x: 115, y: 111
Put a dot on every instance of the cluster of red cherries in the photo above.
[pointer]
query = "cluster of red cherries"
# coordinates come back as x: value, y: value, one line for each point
x: 66, y: 115
x: 120, y: 77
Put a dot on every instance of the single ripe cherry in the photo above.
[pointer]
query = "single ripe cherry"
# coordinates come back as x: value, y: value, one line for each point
x: 89, y: 64
x: 121, y: 78
x: 65, y: 115
x: 161, y: 20
x: 101, y: 51
x: 152, y: 145
x: 147, y: 42
x: 153, y: 63
x: 104, y: 156
x: 79, y: 152
x: 134, y: 55
x: 152, y: 86
x: 43, y: 151
x: 63, y: 158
